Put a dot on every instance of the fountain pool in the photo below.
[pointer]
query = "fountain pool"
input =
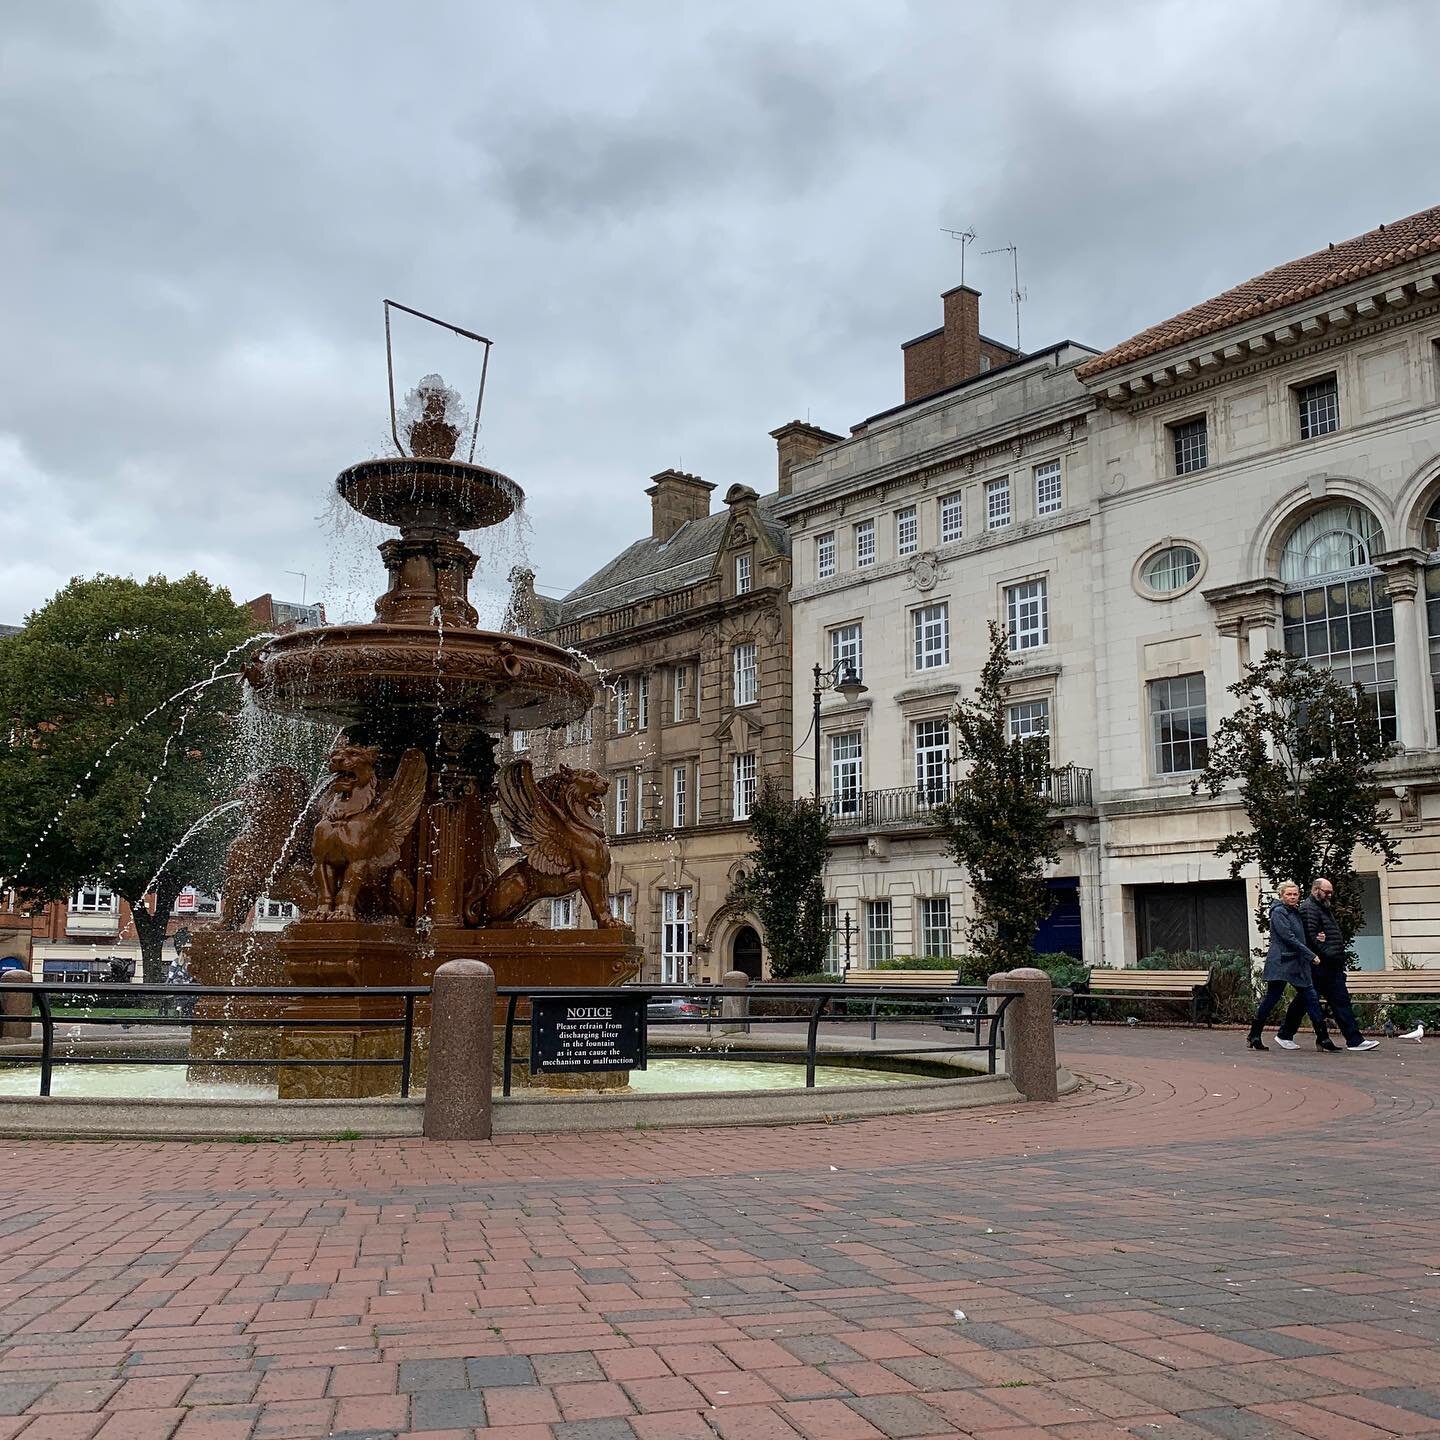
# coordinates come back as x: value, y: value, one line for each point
x: 679, y: 1076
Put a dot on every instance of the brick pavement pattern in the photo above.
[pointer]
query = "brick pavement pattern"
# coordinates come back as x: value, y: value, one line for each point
x: 1201, y: 1242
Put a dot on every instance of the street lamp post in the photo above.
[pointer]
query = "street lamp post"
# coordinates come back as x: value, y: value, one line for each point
x: 840, y: 676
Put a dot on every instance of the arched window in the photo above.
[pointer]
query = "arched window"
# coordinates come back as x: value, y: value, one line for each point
x: 1336, y: 608
x: 1332, y: 540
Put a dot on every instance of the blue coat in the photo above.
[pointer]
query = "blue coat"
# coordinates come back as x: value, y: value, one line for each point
x: 1289, y: 958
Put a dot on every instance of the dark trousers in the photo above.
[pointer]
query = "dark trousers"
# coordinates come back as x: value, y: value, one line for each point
x: 1330, y: 982
x: 1305, y: 997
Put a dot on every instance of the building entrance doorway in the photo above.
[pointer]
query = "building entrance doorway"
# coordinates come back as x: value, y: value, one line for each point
x: 745, y: 951
x: 1206, y: 915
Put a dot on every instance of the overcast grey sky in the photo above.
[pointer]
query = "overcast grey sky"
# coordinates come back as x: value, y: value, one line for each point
x: 683, y: 224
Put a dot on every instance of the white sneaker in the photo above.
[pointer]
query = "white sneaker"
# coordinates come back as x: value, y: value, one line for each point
x: 1286, y: 1044
x: 1365, y: 1045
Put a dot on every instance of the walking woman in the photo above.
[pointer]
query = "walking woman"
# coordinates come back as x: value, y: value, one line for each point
x: 1290, y: 961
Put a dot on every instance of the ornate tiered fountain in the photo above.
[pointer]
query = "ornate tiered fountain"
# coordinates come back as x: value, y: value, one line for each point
x: 393, y: 864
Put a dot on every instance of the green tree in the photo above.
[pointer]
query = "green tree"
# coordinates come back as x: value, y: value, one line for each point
x: 999, y: 825
x: 1302, y: 748
x: 783, y: 884
x: 103, y: 770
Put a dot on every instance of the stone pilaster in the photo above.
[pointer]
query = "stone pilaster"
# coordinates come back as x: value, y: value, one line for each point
x: 1414, y: 707
x: 1247, y: 617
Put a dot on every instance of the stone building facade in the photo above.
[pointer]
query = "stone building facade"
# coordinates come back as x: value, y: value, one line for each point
x: 1267, y: 476
x: 1260, y: 472
x: 690, y: 629
x: 970, y: 502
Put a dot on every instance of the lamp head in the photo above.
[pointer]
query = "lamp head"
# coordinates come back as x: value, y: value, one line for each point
x: 849, y: 684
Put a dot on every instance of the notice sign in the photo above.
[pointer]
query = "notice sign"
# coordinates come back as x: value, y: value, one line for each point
x: 587, y: 1034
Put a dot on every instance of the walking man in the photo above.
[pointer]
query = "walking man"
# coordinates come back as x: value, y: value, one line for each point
x: 1290, y: 961
x: 1324, y: 935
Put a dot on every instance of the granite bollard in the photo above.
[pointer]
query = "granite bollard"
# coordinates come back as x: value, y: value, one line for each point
x: 735, y: 1007
x: 1030, y: 1033
x: 15, y: 1007
x: 462, y: 1045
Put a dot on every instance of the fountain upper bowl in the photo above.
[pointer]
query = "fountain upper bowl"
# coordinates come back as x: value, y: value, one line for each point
x: 409, y: 490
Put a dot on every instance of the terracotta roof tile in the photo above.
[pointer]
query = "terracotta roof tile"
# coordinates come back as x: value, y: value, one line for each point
x: 1297, y: 280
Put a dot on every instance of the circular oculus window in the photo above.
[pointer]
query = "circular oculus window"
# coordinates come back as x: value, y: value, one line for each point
x: 1171, y: 571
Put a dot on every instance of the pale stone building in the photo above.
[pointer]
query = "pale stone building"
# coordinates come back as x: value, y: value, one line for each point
x: 969, y: 502
x: 1261, y: 471
x: 690, y: 627
x: 1267, y: 475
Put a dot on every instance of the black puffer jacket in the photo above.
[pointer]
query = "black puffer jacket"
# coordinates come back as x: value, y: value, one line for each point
x: 1317, y: 917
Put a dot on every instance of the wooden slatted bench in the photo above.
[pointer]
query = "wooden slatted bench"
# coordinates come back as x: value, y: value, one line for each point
x: 950, y: 1014
x: 1397, y: 985
x: 920, y: 979
x: 1187, y: 987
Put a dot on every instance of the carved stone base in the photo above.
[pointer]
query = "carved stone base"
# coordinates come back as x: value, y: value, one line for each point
x: 299, y: 1081
x: 230, y: 957
x: 527, y: 955
x: 344, y: 953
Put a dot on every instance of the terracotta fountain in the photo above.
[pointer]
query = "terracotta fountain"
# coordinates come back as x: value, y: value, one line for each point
x: 394, y: 864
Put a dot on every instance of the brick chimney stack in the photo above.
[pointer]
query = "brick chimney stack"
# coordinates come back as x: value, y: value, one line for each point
x: 956, y: 351
x: 796, y: 443
x: 675, y: 499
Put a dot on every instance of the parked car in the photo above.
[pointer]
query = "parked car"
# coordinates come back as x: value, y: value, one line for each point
x: 675, y: 1008
x: 959, y: 1015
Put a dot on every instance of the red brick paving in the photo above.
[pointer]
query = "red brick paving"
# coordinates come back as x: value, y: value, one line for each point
x: 1200, y: 1243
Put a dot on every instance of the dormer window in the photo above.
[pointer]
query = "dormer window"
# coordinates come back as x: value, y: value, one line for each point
x: 742, y: 574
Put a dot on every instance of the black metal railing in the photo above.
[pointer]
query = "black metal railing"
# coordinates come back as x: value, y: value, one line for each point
x: 970, y: 1010
x: 45, y: 995
x: 961, y: 1007
x: 1070, y: 787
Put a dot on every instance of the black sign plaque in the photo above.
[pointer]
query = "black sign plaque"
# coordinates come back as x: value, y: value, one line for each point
x: 585, y: 1033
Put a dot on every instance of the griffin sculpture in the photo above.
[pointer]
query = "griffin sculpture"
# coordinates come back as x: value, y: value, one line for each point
x: 361, y: 831
x: 558, y: 823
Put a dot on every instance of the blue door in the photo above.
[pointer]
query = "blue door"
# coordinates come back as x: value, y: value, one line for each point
x: 1060, y: 934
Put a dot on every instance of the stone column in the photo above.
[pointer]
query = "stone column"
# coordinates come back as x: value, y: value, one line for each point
x: 735, y: 1007
x: 16, y: 1007
x: 1414, y: 704
x: 1246, y: 615
x: 1092, y: 910
x: 1262, y: 636
x: 1233, y: 655
x: 1030, y: 1033
x: 462, y: 1045
x: 446, y: 823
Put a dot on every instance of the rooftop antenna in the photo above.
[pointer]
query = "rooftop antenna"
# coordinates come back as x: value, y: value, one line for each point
x: 1016, y: 294
x: 965, y: 237
x: 304, y: 582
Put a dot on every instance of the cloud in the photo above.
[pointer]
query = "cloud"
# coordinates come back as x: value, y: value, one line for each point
x: 682, y: 226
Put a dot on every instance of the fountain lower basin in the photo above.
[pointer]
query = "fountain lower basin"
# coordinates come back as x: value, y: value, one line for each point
x: 765, y: 1087
x: 493, y: 680
x: 678, y: 1076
